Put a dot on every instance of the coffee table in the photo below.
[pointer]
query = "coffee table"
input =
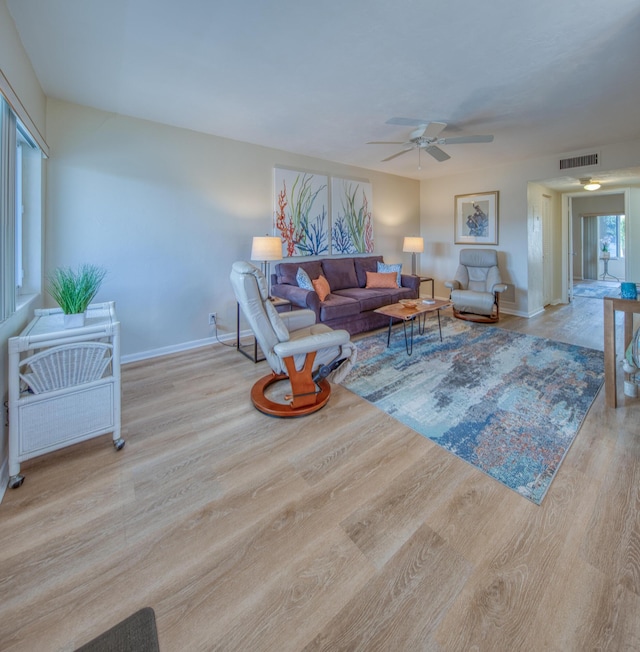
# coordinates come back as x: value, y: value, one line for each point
x: 409, y: 314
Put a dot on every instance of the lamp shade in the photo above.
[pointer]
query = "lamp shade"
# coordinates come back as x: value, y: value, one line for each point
x: 266, y: 248
x: 413, y: 244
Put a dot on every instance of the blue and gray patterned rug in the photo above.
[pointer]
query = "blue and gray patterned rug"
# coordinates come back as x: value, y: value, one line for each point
x: 507, y: 403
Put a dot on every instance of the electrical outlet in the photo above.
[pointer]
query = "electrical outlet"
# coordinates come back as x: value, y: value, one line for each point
x: 213, y: 318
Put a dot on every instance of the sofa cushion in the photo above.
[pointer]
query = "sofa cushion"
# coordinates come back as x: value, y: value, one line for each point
x: 286, y: 272
x: 303, y: 279
x: 364, y: 265
x: 382, y: 280
x: 338, y: 306
x: 322, y: 287
x: 400, y: 293
x: 369, y: 299
x: 396, y: 267
x: 340, y: 272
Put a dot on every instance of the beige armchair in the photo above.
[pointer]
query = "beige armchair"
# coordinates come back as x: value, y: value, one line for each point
x: 477, y: 285
x: 306, y: 354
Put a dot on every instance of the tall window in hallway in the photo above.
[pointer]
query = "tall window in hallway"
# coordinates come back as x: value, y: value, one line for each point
x: 612, y: 234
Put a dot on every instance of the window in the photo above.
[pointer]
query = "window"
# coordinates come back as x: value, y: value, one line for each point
x: 612, y: 234
x: 20, y: 212
x: 7, y: 209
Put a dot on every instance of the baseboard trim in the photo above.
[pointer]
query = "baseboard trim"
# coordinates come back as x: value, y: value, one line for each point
x: 515, y: 313
x: 179, y: 348
x: 230, y: 337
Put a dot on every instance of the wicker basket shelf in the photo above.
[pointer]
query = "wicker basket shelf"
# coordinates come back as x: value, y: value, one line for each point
x: 66, y: 366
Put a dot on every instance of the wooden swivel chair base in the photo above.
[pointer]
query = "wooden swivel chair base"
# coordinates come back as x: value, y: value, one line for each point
x: 306, y: 396
x: 481, y: 319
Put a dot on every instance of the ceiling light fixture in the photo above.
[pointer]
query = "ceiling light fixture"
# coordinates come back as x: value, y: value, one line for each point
x: 588, y: 184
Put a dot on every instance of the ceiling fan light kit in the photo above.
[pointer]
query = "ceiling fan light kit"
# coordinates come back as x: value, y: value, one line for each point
x: 426, y: 137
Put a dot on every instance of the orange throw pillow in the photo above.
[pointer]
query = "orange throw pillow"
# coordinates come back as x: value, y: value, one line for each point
x: 382, y: 280
x: 321, y: 286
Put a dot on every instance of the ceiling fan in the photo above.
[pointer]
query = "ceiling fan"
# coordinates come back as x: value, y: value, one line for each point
x: 426, y: 137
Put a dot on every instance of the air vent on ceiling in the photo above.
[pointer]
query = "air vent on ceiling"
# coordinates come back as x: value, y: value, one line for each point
x: 579, y: 161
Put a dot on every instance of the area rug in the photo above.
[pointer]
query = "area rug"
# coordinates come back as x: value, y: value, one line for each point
x: 507, y: 403
x: 137, y: 633
x: 596, y: 290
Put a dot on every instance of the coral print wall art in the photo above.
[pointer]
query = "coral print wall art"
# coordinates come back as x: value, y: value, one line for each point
x: 301, y: 212
x: 476, y: 218
x: 351, y: 220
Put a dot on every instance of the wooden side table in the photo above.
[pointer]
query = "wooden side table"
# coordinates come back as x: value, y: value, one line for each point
x: 280, y: 305
x: 611, y: 305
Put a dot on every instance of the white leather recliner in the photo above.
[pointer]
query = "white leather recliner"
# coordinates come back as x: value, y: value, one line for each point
x: 476, y: 286
x: 297, y: 349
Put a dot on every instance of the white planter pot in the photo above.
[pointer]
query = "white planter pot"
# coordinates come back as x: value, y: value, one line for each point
x: 75, y: 321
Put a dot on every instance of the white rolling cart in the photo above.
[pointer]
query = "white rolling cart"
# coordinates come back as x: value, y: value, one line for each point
x: 64, y: 384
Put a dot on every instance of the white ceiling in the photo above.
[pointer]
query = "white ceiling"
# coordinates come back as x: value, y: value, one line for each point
x: 322, y: 78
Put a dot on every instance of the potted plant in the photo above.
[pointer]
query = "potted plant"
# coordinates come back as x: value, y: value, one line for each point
x: 604, y: 248
x: 73, y: 290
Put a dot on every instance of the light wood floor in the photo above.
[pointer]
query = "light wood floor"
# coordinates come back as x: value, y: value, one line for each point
x: 344, y: 530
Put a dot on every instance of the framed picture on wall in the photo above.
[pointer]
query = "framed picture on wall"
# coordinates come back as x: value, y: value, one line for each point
x: 476, y: 218
x: 301, y: 212
x: 351, y: 217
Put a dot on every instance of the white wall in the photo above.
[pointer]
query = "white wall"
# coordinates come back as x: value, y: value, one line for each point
x: 633, y: 235
x: 168, y: 210
x: 17, y: 68
x: 440, y: 259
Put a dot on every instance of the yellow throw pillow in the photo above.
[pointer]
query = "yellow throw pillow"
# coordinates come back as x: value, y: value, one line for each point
x: 321, y: 286
x: 382, y: 280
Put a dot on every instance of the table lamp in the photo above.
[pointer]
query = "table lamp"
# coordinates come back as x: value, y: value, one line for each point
x: 264, y: 249
x: 414, y: 245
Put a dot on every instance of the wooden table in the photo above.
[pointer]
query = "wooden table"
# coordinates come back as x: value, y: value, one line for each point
x: 611, y: 305
x: 409, y: 314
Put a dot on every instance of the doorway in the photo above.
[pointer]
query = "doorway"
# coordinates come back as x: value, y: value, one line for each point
x: 597, y: 244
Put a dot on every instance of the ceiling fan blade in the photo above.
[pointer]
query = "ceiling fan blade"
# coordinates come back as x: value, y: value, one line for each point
x: 437, y: 153
x: 433, y: 129
x: 404, y: 151
x: 458, y: 140
x: 386, y: 142
x: 406, y: 122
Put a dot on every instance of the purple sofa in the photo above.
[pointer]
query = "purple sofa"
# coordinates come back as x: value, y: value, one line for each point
x: 350, y: 305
